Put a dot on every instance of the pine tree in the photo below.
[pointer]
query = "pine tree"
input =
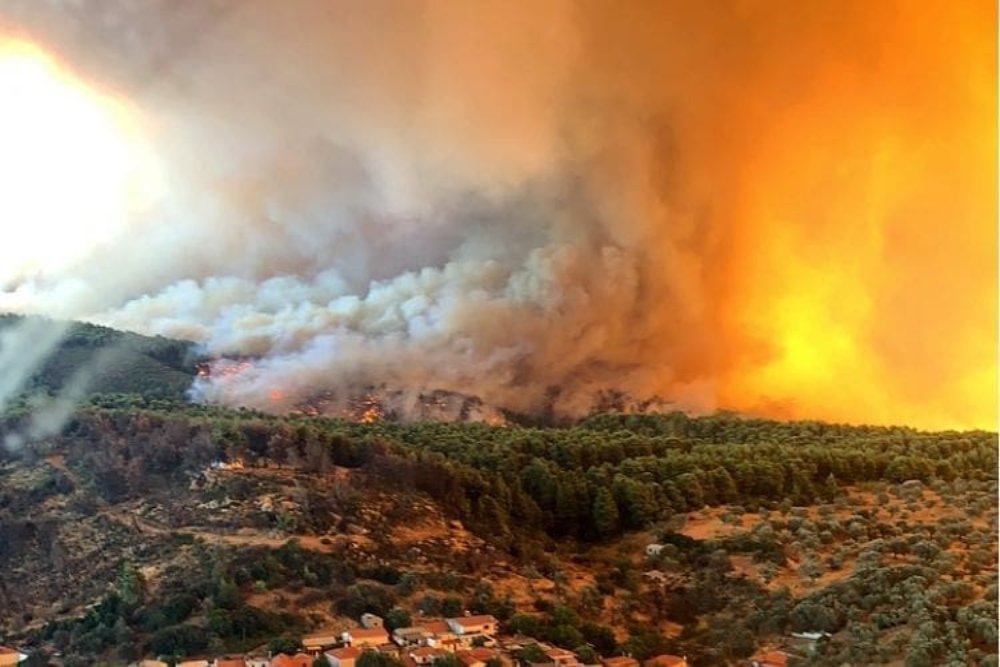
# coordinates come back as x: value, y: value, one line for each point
x: 605, y: 513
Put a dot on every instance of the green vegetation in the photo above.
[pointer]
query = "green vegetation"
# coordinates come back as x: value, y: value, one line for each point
x: 799, y: 548
x: 112, y: 362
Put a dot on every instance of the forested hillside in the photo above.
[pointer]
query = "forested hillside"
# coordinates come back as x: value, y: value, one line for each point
x: 105, y: 360
x: 883, y: 537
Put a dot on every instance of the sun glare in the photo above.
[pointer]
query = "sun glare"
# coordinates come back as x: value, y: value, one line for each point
x: 72, y: 164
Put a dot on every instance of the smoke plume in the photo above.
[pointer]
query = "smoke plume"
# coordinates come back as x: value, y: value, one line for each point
x: 782, y: 208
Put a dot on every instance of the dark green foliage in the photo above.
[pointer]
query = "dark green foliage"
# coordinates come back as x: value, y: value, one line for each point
x: 397, y: 618
x: 365, y: 598
x: 376, y: 659
x: 284, y: 645
x: 179, y: 640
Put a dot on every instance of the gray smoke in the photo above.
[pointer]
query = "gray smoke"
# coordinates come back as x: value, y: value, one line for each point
x: 385, y: 194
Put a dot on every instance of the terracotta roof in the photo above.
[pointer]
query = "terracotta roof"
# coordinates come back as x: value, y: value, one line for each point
x: 368, y: 633
x: 619, y: 661
x: 230, y: 662
x: 6, y: 650
x: 772, y: 658
x: 483, y: 653
x: 346, y: 653
x: 468, y: 621
x: 437, y: 627
x: 425, y: 651
x: 297, y: 660
x: 467, y: 658
x: 666, y: 660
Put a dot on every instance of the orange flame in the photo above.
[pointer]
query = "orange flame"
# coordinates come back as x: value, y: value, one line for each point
x: 862, y: 279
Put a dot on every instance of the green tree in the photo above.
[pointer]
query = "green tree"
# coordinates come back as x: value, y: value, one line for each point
x: 605, y: 513
x: 397, y: 618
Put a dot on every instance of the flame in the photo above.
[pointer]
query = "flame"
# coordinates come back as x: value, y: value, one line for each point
x: 371, y: 409
x: 73, y: 163
x: 861, y: 284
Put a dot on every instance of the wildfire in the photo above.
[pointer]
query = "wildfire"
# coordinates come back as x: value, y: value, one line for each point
x: 371, y: 409
x: 862, y: 279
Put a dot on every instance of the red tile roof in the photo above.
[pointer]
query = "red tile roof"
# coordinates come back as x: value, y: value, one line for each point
x: 297, y: 660
x: 346, y: 653
x: 772, y: 659
x: 437, y: 627
x: 666, y: 660
x: 368, y: 633
x: 230, y: 662
x: 483, y: 653
x: 620, y: 661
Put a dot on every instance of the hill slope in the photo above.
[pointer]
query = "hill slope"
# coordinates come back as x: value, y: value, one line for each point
x: 112, y: 362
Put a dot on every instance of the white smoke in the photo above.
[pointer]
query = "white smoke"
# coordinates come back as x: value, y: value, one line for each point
x: 387, y: 194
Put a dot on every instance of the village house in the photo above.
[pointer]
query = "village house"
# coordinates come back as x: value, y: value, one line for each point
x: 416, y: 635
x: 477, y: 657
x: 366, y: 637
x: 195, y: 662
x: 469, y: 660
x: 297, y: 660
x: 769, y: 659
x: 320, y: 641
x: 666, y: 660
x: 257, y: 660
x: 805, y: 642
x: 388, y: 649
x: 620, y: 661
x: 139, y: 663
x: 371, y: 621
x: 443, y: 637
x: 230, y: 662
x: 343, y: 657
x: 473, y: 625
x: 426, y: 655
x: 562, y: 657
x: 11, y: 656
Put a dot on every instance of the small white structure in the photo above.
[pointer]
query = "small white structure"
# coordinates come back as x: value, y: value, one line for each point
x: 653, y: 550
x: 371, y: 621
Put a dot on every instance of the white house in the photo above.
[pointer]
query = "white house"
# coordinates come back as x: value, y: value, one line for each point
x: 426, y: 655
x: 474, y: 625
x: 653, y: 550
